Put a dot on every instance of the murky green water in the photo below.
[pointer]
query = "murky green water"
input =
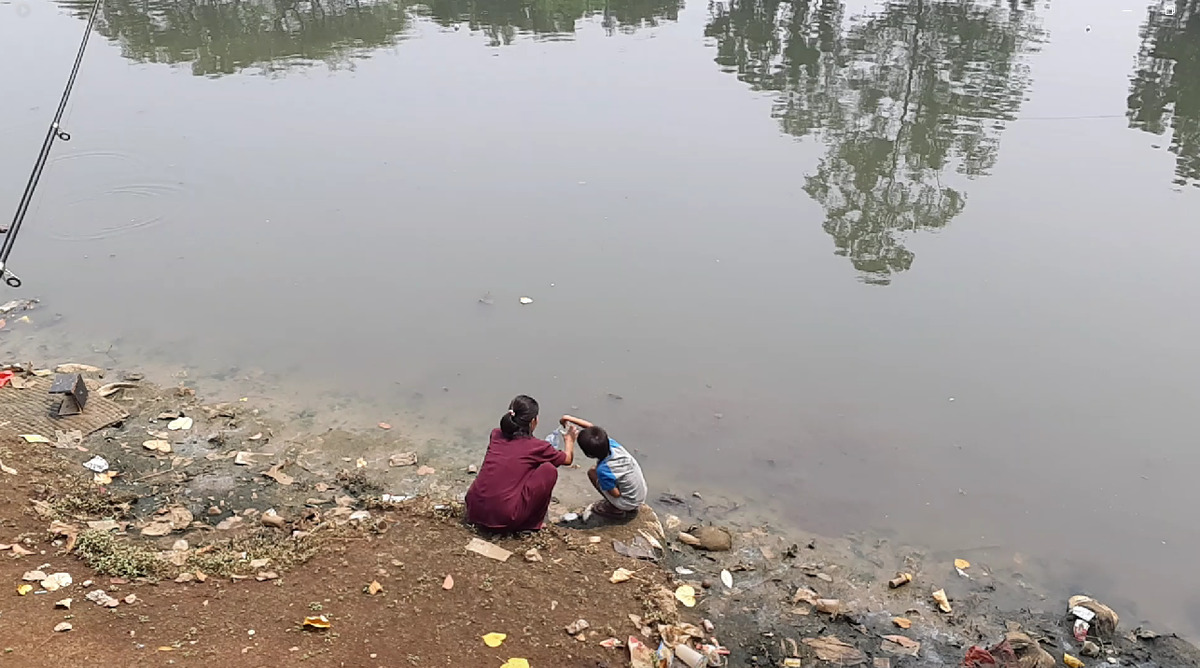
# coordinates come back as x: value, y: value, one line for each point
x: 924, y: 268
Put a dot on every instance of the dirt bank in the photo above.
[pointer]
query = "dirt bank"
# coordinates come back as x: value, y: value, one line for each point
x: 228, y: 527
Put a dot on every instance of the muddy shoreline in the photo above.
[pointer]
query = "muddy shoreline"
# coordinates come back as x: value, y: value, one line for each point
x: 233, y: 466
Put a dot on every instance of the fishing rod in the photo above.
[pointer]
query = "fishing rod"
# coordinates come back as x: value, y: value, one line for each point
x: 54, y: 133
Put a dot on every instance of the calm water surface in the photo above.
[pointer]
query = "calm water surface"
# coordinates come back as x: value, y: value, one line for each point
x: 922, y: 268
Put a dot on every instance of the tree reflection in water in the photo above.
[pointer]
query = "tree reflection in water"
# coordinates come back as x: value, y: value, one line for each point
x: 902, y: 98
x: 1165, y: 90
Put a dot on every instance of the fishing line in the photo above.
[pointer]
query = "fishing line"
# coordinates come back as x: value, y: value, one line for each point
x: 54, y: 133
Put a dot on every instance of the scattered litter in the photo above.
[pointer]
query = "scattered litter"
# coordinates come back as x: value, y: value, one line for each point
x: 727, y: 579
x: 403, y: 459
x: 900, y: 580
x: 829, y: 606
x: 900, y: 645
x: 374, y: 588
x: 902, y: 622
x: 394, y: 498
x: 112, y: 388
x: 489, y: 550
x: 20, y: 551
x: 100, y: 598
x: 516, y: 663
x: 835, y: 650
x: 62, y: 627
x: 426, y: 470
x: 180, y: 424
x: 256, y: 564
x: 56, y: 581
x: 360, y: 463
x: 533, y: 555
x: 640, y: 656
x: 33, y: 576
x: 105, y: 478
x: 685, y: 537
x: 244, y: 458
x: 317, y: 622
x: 684, y: 571
x: 24, y: 589
x: 276, y: 473
x: 130, y: 599
x: 266, y: 575
x: 620, y: 575
x: 1103, y: 621
x: 77, y: 368
x: 576, y: 627
x: 494, y: 639
x: 184, y: 578
x: 637, y: 548
x: 686, y: 594
x: 650, y: 540
x: 824, y: 577
x: 1072, y: 662
x: 611, y: 643
x: 64, y: 604
x: 7, y: 469
x: 273, y: 520
x: 230, y: 523
x: 96, y: 464
x: 594, y: 539
x: 805, y: 595
x: 35, y: 438
x: 526, y: 300
x: 157, y: 445
x: 384, y: 425
x: 448, y: 583
x: 942, y: 602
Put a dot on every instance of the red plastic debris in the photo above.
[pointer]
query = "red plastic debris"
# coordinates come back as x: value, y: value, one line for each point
x: 978, y: 657
x: 5, y: 376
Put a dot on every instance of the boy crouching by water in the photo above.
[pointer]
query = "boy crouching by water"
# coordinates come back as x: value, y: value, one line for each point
x: 616, y: 475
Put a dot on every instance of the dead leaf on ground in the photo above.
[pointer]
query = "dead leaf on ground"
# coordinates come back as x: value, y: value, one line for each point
x: 686, y: 594
x: 834, y: 650
x: 317, y: 622
x: 962, y: 564
x: 900, y: 645
x: 902, y: 622
x: 157, y: 445
x: 374, y: 588
x: 276, y: 473
x: 620, y: 575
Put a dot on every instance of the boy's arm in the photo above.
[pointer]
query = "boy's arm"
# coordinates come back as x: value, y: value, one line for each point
x: 578, y: 422
x: 569, y: 443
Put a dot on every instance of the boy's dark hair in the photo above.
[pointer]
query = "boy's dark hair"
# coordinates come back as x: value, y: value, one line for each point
x: 594, y: 443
